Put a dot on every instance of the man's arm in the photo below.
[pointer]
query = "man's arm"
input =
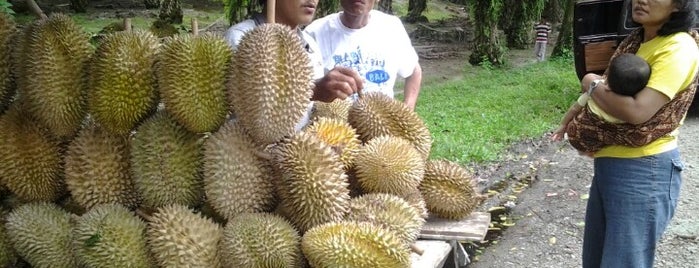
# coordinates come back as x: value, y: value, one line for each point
x: 412, y: 87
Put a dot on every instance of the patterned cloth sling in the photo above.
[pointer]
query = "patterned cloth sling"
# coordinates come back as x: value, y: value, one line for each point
x: 588, y: 132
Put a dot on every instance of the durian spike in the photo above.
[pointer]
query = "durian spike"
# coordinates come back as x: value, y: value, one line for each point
x: 195, y: 27
x: 271, y: 5
x: 263, y: 155
x: 416, y: 249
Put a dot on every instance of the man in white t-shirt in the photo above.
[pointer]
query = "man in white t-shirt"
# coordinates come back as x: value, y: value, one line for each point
x: 372, y: 43
x: 339, y: 83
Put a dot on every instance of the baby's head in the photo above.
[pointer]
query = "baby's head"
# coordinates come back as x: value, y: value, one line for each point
x: 628, y: 74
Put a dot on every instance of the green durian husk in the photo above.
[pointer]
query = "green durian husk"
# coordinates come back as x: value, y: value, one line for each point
x: 192, y: 73
x: 55, y: 59
x: 109, y: 235
x: 165, y: 162
x: 448, y: 190
x: 260, y: 240
x: 122, y: 86
x: 41, y: 233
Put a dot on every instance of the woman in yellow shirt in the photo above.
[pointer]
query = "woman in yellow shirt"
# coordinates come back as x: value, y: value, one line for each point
x: 634, y: 191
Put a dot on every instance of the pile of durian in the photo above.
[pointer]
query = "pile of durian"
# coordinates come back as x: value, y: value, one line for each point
x: 140, y: 152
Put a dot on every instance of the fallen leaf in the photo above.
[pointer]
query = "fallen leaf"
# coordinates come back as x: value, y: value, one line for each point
x: 585, y: 196
x: 552, y: 240
x: 551, y: 194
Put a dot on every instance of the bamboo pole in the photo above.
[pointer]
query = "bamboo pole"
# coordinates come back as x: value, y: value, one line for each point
x: 34, y: 7
x: 195, y: 27
x: 271, y: 6
x: 127, y: 24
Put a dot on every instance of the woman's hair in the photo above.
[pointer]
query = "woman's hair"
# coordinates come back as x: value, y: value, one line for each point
x: 681, y: 20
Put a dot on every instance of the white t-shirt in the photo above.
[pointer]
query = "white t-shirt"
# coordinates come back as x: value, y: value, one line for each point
x: 235, y: 33
x: 379, y: 51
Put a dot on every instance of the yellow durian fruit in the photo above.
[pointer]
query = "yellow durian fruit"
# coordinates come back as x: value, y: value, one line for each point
x: 339, y: 135
x: 122, y: 82
x: 260, y: 240
x: 376, y: 114
x: 390, y: 165
x: 178, y: 237
x: 271, y: 83
x: 41, y: 233
x: 353, y: 244
x: 166, y: 162
x: 313, y: 187
x: 192, y: 73
x: 97, y: 168
x: 337, y: 109
x: 31, y: 158
x: 448, y: 190
x: 55, y: 58
x: 388, y: 211
x: 111, y: 236
x: 235, y: 179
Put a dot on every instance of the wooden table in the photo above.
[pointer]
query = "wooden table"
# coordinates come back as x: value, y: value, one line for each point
x: 439, y: 237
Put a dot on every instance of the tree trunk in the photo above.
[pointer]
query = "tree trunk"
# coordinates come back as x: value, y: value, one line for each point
x: 79, y: 6
x: 386, y: 6
x: 518, y: 31
x: 171, y: 11
x: 415, y: 9
x: 553, y: 11
x: 31, y: 4
x: 564, y: 45
x: 486, y: 42
x: 326, y: 7
x: 151, y: 3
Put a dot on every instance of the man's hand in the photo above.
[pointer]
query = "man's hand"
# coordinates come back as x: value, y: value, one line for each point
x: 339, y: 83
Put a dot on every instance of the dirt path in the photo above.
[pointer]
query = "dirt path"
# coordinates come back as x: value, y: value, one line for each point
x: 550, y: 213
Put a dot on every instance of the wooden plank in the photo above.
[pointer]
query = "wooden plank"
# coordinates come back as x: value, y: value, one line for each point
x: 436, y: 252
x: 472, y: 228
x: 597, y: 55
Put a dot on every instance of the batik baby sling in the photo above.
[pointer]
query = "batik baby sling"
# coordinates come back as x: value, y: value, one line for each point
x: 588, y: 132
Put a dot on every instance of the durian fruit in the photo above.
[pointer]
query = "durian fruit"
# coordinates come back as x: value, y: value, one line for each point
x: 376, y: 114
x: 416, y: 201
x: 235, y: 179
x: 388, y: 211
x: 339, y: 135
x: 271, y: 83
x: 110, y: 235
x: 260, y: 240
x: 448, y: 190
x: 353, y: 244
x: 8, y: 32
x: 178, y: 237
x: 166, y: 162
x: 55, y: 57
x: 192, y: 73
x: 8, y: 257
x: 97, y: 168
x: 41, y: 233
x: 31, y: 158
x: 390, y: 165
x: 338, y: 109
x: 122, y: 82
x: 313, y: 187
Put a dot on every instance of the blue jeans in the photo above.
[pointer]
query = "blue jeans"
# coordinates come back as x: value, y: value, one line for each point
x: 631, y: 203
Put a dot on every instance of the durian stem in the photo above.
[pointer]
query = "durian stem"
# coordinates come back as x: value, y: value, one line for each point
x: 195, y: 27
x: 263, y: 155
x: 36, y: 9
x: 271, y: 5
x: 141, y: 212
x: 416, y: 249
x: 127, y: 24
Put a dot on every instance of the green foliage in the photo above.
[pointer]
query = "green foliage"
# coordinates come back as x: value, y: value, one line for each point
x: 237, y: 10
x: 518, y: 30
x: 476, y: 118
x: 484, y: 15
x: 6, y: 7
x: 435, y: 11
x: 327, y: 7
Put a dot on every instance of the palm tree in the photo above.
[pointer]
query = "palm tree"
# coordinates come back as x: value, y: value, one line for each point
x: 484, y: 15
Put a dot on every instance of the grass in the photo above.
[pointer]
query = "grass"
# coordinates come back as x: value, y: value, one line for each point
x: 436, y: 9
x: 476, y: 118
